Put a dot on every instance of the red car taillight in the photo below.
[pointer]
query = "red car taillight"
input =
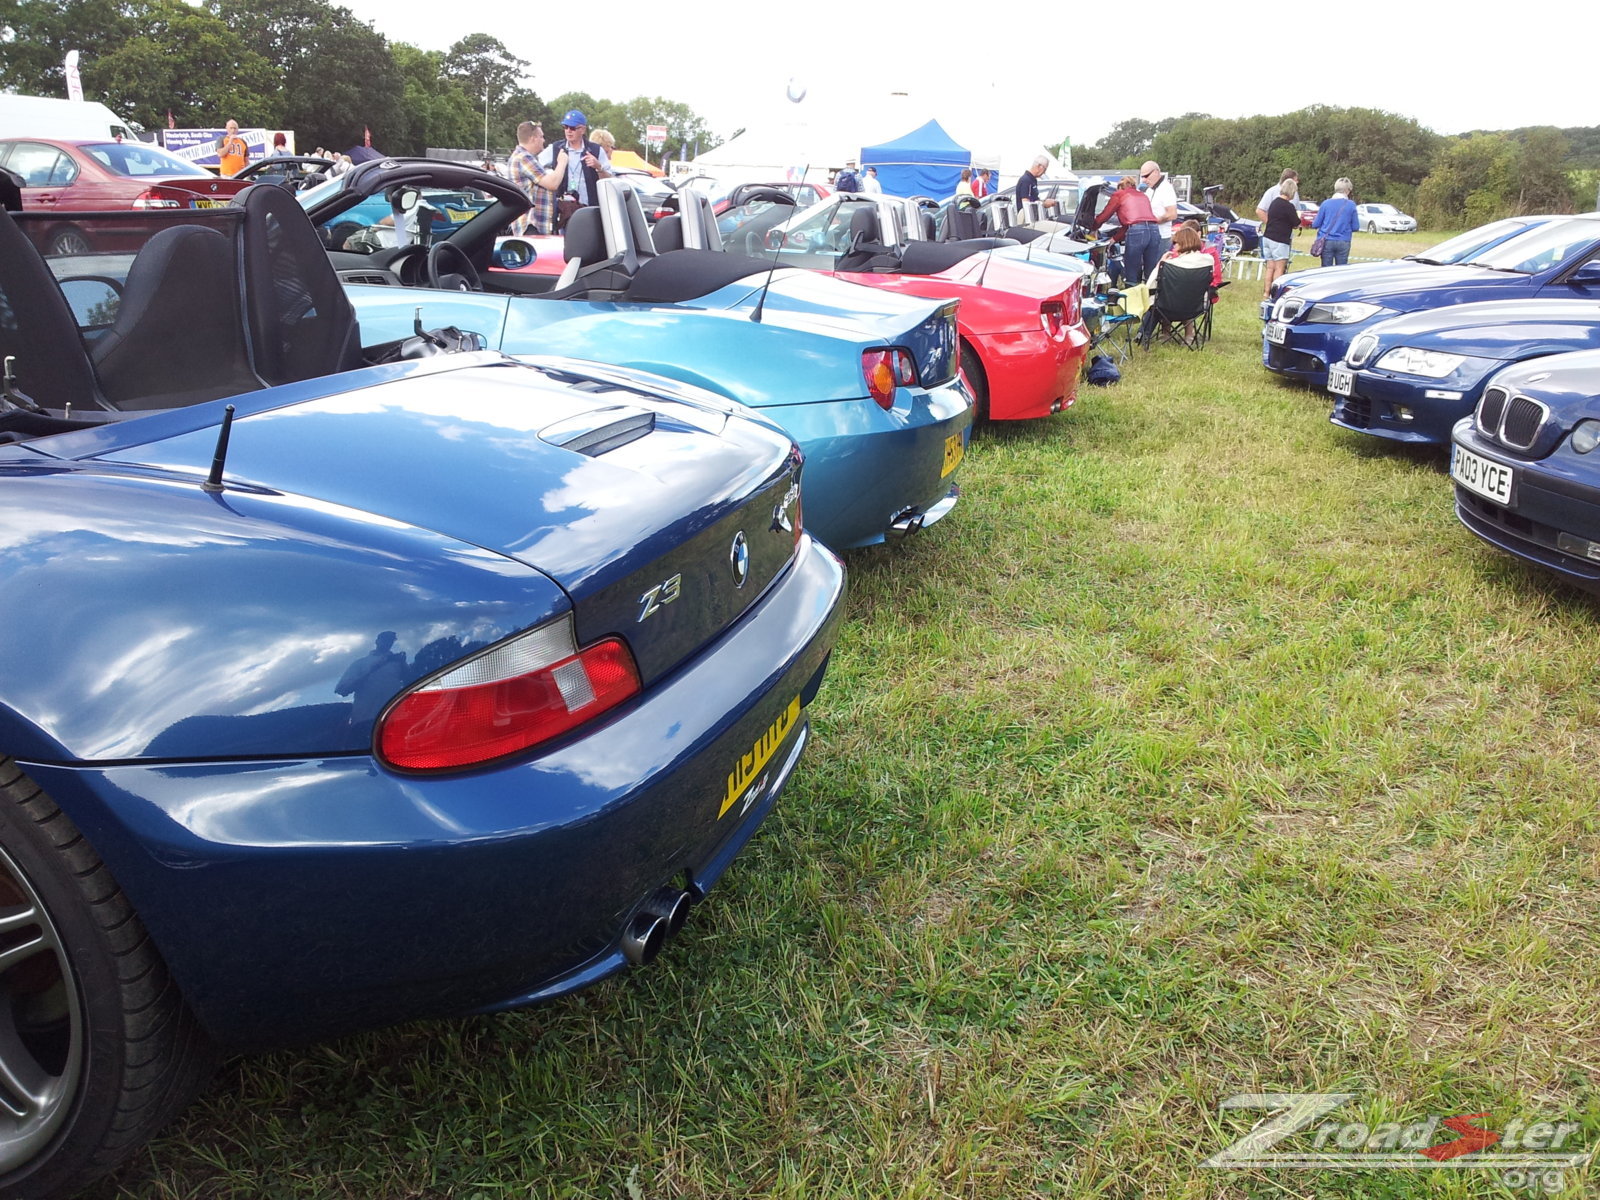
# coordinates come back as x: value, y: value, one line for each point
x: 885, y: 370
x: 521, y: 693
x: 158, y: 198
x: 1053, y: 318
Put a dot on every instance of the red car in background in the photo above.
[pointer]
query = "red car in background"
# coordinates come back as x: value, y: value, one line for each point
x: 1023, y: 342
x: 106, y: 176
x: 1308, y: 212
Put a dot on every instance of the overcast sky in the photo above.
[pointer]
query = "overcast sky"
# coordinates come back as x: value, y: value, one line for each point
x: 887, y: 68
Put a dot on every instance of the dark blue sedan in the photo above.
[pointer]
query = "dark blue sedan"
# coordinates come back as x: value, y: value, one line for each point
x: 1525, y: 466
x: 1312, y: 325
x: 338, y: 694
x: 1411, y: 378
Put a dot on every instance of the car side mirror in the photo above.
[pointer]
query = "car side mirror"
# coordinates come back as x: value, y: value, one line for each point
x: 514, y: 253
x: 1586, y: 275
x: 94, y: 302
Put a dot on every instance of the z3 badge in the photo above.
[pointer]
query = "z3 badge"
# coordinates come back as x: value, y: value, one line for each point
x: 658, y: 597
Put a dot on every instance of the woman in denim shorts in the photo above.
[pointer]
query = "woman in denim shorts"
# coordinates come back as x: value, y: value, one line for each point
x: 1277, y: 235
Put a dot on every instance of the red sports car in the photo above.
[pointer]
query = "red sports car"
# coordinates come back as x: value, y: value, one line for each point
x: 104, y: 176
x: 1023, y: 342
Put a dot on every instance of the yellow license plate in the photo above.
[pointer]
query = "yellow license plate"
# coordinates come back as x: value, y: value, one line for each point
x: 211, y: 204
x: 749, y: 766
x: 954, y: 448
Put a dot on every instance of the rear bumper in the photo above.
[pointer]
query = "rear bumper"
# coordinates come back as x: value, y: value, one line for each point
x: 1031, y: 374
x: 868, y: 469
x: 296, y: 899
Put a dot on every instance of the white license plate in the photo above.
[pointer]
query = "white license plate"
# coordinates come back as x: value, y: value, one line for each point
x: 1341, y: 381
x: 1277, y: 332
x: 1490, y: 480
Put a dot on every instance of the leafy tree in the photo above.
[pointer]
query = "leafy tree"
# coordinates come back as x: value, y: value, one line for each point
x: 1384, y: 155
x: 481, y: 63
x: 339, y: 76
x: 42, y: 33
x: 685, y: 128
x: 186, y: 61
x: 1129, y: 142
x: 434, y: 110
x: 1490, y: 175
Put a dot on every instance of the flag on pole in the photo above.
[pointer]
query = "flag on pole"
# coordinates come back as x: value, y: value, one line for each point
x: 74, y: 84
x: 368, y: 140
x: 171, y: 124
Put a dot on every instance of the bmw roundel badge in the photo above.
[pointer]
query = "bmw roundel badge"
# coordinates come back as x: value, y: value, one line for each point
x: 739, y: 559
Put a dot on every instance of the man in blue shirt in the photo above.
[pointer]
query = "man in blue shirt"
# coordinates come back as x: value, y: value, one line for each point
x: 1336, y: 222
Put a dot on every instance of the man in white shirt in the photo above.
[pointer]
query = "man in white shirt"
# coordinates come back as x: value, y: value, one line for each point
x: 1163, y: 200
x: 869, y: 181
x: 1271, y: 194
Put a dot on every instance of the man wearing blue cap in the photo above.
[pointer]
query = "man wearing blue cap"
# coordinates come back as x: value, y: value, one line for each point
x: 582, y: 163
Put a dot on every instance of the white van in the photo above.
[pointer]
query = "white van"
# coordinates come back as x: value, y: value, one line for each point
x: 70, y: 120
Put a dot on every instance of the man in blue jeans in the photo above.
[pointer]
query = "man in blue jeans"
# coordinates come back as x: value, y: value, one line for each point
x: 1336, y: 222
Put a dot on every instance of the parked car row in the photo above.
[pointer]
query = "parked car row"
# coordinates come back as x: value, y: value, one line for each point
x: 1490, y: 344
x: 413, y: 633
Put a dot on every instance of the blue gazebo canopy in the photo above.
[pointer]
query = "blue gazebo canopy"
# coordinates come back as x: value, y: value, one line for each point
x: 925, y: 162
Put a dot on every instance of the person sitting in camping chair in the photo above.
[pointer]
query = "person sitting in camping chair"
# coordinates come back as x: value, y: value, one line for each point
x: 1180, y: 307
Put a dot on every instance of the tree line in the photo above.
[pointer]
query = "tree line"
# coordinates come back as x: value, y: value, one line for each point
x: 1444, y: 181
x: 305, y: 65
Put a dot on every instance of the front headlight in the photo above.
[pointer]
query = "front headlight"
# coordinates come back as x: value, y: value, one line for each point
x: 1341, y: 314
x: 1586, y: 435
x: 1430, y: 364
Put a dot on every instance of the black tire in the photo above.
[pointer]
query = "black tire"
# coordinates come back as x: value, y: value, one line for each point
x: 1233, y: 244
x: 977, y: 382
x: 69, y: 241
x: 88, y: 1014
x: 1372, y: 227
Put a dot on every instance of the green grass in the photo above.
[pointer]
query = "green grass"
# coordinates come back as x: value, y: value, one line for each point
x: 1200, y: 751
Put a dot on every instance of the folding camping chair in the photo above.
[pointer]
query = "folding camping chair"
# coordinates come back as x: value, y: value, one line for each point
x: 1114, y: 332
x: 1181, y: 309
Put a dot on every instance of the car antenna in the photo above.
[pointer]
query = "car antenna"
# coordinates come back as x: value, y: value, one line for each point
x: 761, y: 300
x: 213, y: 481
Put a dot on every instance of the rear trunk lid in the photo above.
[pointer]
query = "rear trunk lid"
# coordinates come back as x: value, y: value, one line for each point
x: 662, y: 518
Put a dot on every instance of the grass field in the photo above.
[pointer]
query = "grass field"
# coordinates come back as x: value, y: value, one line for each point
x: 1199, y: 752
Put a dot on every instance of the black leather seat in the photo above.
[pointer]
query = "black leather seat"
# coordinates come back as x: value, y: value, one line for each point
x: 301, y: 324
x: 179, y: 335
x: 865, y: 251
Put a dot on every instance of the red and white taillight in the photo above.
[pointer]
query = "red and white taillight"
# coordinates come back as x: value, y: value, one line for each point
x: 1053, y: 318
x: 886, y: 370
x: 159, y: 198
x: 510, y: 698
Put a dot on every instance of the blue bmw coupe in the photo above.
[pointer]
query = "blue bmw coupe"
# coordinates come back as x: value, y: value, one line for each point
x: 1312, y: 325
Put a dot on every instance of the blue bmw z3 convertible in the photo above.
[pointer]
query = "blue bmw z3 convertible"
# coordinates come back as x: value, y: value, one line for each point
x: 337, y: 694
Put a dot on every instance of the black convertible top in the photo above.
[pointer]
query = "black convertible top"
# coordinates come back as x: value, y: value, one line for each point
x: 689, y: 274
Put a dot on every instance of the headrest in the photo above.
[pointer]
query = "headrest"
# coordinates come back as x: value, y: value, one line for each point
x: 667, y: 233
x: 585, y: 236
x: 864, y: 224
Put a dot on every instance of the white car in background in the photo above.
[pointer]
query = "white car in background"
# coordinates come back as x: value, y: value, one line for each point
x: 1384, y: 218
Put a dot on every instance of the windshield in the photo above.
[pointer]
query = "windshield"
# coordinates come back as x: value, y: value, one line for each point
x: 1541, y: 247
x: 1474, y: 241
x: 141, y: 160
x: 370, y: 226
